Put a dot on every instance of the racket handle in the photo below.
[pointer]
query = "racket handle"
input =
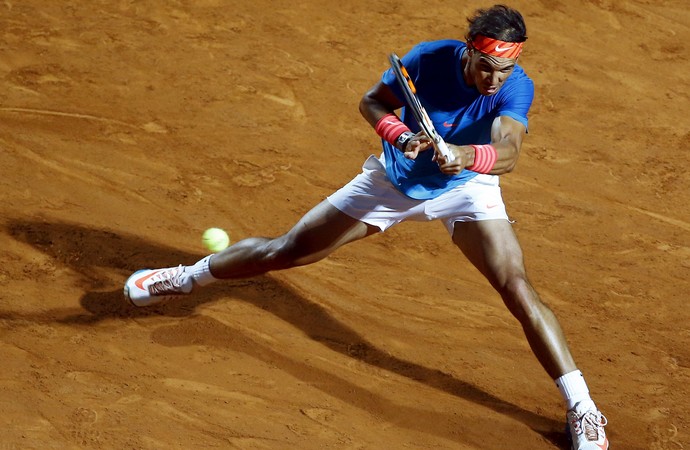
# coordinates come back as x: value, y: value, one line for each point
x: 443, y: 149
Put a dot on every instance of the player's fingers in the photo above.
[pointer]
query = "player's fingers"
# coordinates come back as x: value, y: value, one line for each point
x: 450, y: 168
x: 411, y: 154
x: 415, y: 146
x: 413, y: 149
x: 440, y: 158
x: 422, y: 139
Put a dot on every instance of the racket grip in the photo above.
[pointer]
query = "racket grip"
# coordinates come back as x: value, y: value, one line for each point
x: 443, y: 149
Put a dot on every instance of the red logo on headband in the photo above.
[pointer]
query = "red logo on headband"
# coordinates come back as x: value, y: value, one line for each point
x: 495, y: 47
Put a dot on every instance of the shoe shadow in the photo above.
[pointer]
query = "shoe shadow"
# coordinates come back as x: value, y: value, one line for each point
x: 97, y: 254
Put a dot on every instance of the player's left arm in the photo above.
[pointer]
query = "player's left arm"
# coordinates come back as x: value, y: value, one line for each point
x: 506, y: 137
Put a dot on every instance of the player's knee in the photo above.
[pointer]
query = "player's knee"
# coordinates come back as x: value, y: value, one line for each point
x: 520, y: 298
x: 285, y: 252
x: 268, y: 253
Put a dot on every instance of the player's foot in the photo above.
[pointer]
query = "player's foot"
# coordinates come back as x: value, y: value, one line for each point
x: 586, y: 426
x: 147, y: 287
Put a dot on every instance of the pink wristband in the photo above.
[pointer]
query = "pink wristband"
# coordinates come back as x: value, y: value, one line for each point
x: 389, y: 127
x: 484, y: 158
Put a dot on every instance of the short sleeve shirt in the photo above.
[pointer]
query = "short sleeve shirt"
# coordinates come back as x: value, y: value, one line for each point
x: 460, y: 114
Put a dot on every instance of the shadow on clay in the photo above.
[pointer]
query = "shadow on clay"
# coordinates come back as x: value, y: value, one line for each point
x: 93, y: 252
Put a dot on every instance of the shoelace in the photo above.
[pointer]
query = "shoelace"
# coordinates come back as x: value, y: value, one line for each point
x: 170, y: 282
x: 591, y: 422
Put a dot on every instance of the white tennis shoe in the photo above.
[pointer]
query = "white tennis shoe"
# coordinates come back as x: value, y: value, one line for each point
x: 586, y: 425
x: 150, y: 286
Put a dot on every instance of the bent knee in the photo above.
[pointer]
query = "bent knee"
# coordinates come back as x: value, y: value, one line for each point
x: 284, y: 253
x: 521, y: 298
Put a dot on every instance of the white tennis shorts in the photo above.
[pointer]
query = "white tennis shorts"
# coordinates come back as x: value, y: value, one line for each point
x: 372, y: 198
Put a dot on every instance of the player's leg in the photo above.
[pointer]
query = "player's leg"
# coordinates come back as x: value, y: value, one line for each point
x: 316, y: 234
x: 493, y: 248
x: 366, y: 205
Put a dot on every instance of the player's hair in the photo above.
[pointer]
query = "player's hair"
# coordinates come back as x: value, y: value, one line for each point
x: 498, y: 22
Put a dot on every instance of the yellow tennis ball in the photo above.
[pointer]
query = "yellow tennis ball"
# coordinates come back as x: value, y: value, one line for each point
x: 215, y: 239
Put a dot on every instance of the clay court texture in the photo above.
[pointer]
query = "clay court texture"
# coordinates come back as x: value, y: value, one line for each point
x: 127, y: 128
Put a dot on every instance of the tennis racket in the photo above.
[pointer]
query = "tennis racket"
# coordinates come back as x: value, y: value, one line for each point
x: 416, y: 107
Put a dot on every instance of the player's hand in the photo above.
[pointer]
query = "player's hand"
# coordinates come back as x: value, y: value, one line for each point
x: 461, y: 153
x: 418, y: 143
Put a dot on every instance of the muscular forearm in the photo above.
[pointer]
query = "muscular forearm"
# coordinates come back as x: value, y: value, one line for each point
x: 378, y: 102
x: 372, y: 110
x: 506, y: 157
x: 502, y: 156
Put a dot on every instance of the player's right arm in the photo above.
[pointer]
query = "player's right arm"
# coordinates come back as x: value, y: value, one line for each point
x: 379, y: 101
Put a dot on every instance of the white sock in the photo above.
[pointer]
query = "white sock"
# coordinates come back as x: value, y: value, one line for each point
x: 201, y: 271
x: 573, y: 388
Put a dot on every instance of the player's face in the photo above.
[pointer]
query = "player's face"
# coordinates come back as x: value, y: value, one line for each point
x: 488, y: 73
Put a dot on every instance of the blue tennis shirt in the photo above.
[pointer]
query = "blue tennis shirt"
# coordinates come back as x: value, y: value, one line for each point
x: 461, y: 115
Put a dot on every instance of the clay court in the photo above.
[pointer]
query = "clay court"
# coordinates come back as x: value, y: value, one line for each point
x: 127, y: 128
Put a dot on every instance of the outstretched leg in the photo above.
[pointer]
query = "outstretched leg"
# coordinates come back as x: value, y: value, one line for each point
x: 493, y: 248
x: 315, y: 236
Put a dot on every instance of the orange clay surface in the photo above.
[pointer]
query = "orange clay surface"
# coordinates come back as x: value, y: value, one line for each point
x: 127, y: 128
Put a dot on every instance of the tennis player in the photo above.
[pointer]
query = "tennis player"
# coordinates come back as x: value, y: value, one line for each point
x: 478, y: 98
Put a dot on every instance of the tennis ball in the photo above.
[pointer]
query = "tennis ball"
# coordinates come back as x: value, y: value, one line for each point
x: 215, y: 239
